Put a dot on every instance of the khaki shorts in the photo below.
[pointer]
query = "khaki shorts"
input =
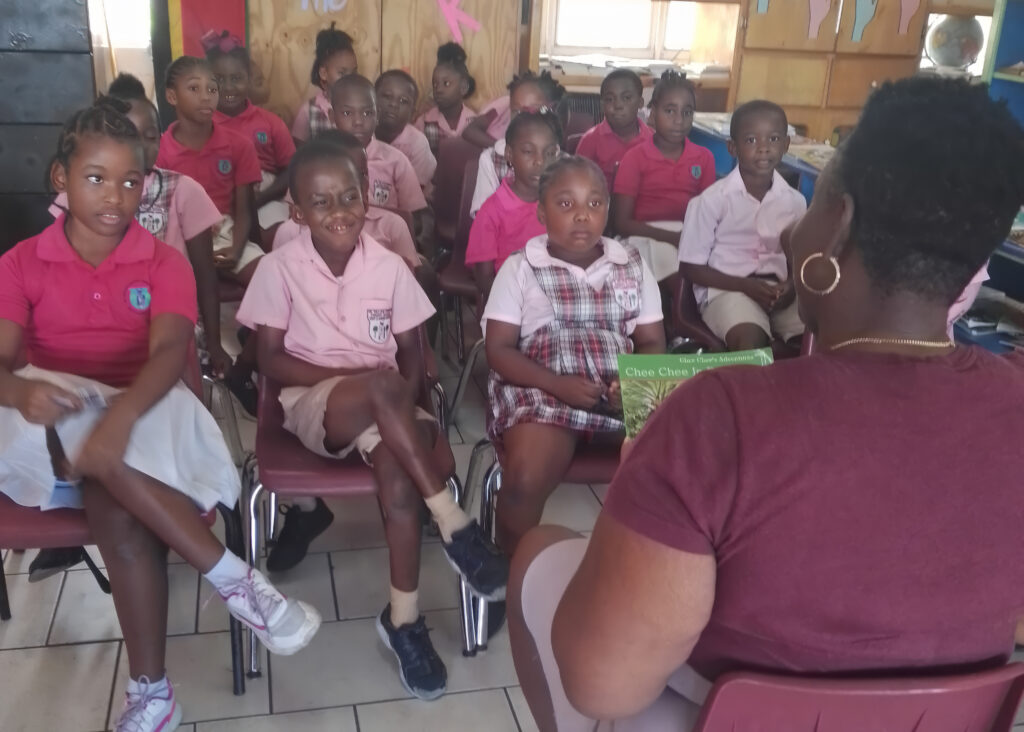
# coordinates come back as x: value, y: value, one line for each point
x: 304, y: 410
x: 725, y: 310
x: 222, y: 240
x: 661, y: 257
x: 271, y: 212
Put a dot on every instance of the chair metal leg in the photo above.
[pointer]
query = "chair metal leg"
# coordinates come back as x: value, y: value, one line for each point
x: 440, y: 400
x: 235, y: 542
x: 488, y: 501
x: 479, y: 449
x: 465, y: 595
x: 465, y: 376
x: 219, y: 394
x: 443, y: 330
x: 271, y: 517
x: 5, y: 603
x: 255, y: 493
x: 460, y: 336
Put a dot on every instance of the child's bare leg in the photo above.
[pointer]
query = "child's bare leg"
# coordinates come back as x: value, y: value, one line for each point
x: 137, y: 568
x: 171, y: 515
x: 536, y: 458
x: 746, y: 336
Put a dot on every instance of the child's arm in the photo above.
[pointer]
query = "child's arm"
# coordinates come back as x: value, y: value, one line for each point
x: 483, y: 273
x: 504, y: 356
x: 476, y: 130
x: 276, y: 363
x: 284, y: 150
x: 649, y: 338
x: 38, y: 401
x: 761, y: 291
x: 625, y: 223
x: 200, y: 254
x: 410, y: 361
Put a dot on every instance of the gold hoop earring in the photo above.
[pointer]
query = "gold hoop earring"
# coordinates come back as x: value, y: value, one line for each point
x: 813, y: 290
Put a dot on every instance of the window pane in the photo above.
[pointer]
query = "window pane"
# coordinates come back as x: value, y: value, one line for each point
x: 682, y: 23
x: 603, y: 23
x: 707, y: 31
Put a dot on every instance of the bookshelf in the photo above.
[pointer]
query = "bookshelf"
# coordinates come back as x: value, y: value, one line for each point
x: 1006, y: 48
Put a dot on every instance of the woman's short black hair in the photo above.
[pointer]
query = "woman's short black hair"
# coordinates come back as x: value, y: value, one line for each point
x: 453, y: 55
x: 571, y: 162
x: 543, y: 117
x: 311, y: 152
x: 404, y: 76
x: 329, y: 41
x: 181, y: 66
x: 623, y: 75
x: 935, y: 168
x: 672, y: 80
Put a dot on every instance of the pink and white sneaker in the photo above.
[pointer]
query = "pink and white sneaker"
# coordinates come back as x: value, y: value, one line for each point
x: 284, y: 625
x: 149, y: 710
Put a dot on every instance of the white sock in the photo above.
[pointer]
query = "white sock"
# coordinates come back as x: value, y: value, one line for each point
x: 404, y: 607
x: 449, y: 516
x: 158, y: 687
x: 228, y: 570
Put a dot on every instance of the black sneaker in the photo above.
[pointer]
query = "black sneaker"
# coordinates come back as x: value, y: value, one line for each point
x: 299, y: 530
x: 419, y: 667
x: 478, y: 561
x: 49, y: 562
x: 240, y: 383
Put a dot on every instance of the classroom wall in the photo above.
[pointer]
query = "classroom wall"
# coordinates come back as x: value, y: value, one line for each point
x: 388, y: 34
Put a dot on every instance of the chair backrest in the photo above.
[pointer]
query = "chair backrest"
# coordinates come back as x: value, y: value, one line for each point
x: 689, y: 323
x: 453, y: 155
x: 981, y: 701
x: 572, y: 142
x: 578, y: 122
x: 464, y: 222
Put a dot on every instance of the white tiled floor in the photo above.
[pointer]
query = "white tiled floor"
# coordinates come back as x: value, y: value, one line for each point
x: 64, y: 642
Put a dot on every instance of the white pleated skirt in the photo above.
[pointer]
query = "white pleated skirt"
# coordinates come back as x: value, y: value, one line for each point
x: 177, y: 442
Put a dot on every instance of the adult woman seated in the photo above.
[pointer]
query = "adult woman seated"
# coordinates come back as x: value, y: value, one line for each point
x: 858, y: 510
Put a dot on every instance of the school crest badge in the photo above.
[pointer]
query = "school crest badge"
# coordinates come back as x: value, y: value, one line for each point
x: 155, y: 222
x: 379, y: 324
x: 381, y: 192
x: 224, y: 166
x: 627, y: 293
x: 695, y: 171
x: 261, y: 138
x: 139, y: 297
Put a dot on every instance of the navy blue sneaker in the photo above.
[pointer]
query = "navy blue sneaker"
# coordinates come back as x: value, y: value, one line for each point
x: 419, y: 667
x: 478, y: 561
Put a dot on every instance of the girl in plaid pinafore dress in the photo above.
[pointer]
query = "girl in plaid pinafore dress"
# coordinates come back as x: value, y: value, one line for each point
x: 560, y: 312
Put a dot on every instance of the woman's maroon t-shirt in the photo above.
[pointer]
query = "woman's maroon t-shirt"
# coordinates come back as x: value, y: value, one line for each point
x: 865, y: 511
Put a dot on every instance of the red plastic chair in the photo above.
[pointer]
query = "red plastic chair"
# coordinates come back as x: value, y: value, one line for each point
x: 453, y: 157
x: 22, y: 527
x: 982, y: 701
x: 282, y: 467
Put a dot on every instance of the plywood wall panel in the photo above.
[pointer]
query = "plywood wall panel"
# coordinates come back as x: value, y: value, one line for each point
x: 789, y: 25
x: 796, y: 79
x: 891, y: 27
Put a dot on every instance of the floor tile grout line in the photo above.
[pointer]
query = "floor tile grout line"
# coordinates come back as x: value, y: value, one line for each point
x: 199, y: 591
x: 334, y: 588
x: 56, y: 606
x: 355, y: 713
x: 113, y: 682
x: 512, y: 708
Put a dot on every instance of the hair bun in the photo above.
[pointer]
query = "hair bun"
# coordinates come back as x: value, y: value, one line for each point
x: 672, y: 74
x: 451, y: 53
x: 114, y: 104
x: 332, y: 38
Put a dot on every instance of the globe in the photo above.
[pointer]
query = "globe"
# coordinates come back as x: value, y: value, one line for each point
x: 954, y: 42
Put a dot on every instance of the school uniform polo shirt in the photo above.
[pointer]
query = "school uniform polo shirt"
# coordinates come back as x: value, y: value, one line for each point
x: 412, y: 143
x: 433, y: 119
x: 393, y: 181
x: 662, y: 187
x: 224, y: 163
x: 336, y: 322
x: 266, y: 131
x: 93, y: 322
x: 502, y: 226
x: 301, y: 129
x: 604, y: 147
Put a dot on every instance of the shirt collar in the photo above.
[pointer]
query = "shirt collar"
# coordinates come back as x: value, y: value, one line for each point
x: 137, y: 245
x: 366, y: 251
x: 509, y: 200
x: 248, y: 111
x: 215, y: 142
x: 734, y: 184
x: 536, y: 253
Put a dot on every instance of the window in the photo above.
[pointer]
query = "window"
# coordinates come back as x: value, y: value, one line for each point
x: 674, y: 31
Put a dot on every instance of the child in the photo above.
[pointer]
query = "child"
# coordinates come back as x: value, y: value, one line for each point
x: 508, y: 219
x: 730, y: 247
x: 529, y: 92
x: 622, y: 96
x: 452, y: 85
x: 657, y: 178
x: 335, y: 58
x: 393, y: 181
x: 269, y: 135
x: 103, y: 314
x: 559, y: 314
x: 351, y: 374
x: 396, y: 99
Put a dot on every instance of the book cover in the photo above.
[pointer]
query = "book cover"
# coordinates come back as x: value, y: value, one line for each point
x: 647, y: 380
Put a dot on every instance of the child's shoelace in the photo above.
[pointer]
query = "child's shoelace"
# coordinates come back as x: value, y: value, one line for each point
x: 133, y: 718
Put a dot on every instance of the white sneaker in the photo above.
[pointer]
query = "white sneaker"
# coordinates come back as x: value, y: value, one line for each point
x: 284, y: 625
x: 149, y: 711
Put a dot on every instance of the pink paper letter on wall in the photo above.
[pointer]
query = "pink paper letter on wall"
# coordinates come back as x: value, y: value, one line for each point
x: 907, y: 10
x: 818, y: 10
x: 454, y: 15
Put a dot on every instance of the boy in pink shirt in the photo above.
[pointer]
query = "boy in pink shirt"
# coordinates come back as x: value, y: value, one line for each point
x: 508, y: 219
x: 730, y: 247
x: 396, y: 99
x: 336, y: 317
x: 452, y: 85
x: 622, y: 96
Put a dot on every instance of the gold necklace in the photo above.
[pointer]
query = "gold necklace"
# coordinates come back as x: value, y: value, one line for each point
x: 894, y: 342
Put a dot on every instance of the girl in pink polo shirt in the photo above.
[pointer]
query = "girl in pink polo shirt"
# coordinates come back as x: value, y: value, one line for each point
x: 103, y: 315
x: 622, y: 96
x: 508, y: 219
x: 657, y: 178
x: 352, y: 377
x: 452, y: 85
x: 560, y: 312
x: 335, y: 58
x: 397, y: 94
x: 267, y: 132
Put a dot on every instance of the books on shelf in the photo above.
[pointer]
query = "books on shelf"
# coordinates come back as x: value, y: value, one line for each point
x: 647, y: 380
